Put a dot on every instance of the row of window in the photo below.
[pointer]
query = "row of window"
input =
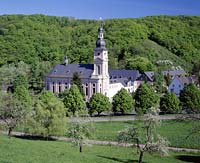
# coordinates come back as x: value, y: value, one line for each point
x: 59, y: 87
x: 66, y: 87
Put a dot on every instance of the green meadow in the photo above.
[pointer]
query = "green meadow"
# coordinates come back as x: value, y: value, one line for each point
x: 176, y: 132
x: 17, y: 150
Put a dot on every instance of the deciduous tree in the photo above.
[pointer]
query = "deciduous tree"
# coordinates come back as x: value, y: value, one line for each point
x: 73, y: 101
x: 49, y: 117
x: 189, y: 98
x: 12, y: 111
x: 145, y: 98
x: 153, y: 141
x: 98, y: 103
x: 79, y: 132
x: 169, y: 103
x: 23, y: 95
x: 122, y: 102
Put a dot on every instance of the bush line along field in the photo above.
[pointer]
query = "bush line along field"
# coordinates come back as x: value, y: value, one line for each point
x: 16, y: 150
x: 39, y: 38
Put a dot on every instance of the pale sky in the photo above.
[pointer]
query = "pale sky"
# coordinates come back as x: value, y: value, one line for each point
x: 93, y: 9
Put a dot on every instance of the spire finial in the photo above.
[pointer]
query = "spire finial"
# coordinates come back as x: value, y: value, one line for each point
x: 66, y: 61
x: 100, y: 22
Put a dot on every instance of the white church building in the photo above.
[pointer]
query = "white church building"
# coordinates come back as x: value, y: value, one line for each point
x: 96, y: 77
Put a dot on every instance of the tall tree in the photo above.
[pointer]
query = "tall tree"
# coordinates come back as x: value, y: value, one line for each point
x: 12, y: 111
x: 98, y: 103
x: 153, y: 141
x: 122, y: 102
x: 77, y: 81
x: 49, y: 117
x: 73, y: 101
x: 169, y: 103
x: 189, y: 98
x: 145, y: 98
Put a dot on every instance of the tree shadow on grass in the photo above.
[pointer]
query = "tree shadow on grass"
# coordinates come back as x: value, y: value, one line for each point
x: 118, y: 159
x: 189, y: 158
x: 34, y: 137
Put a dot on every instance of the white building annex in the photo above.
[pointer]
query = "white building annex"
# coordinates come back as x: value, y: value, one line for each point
x: 96, y: 78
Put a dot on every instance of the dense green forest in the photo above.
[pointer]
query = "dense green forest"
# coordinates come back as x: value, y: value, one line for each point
x: 44, y: 40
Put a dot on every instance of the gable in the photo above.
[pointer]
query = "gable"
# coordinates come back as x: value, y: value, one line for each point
x: 175, y: 82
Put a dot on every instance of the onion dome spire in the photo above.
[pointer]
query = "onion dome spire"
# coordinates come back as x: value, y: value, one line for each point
x: 100, y: 43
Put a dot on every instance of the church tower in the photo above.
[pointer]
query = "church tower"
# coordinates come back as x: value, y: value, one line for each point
x: 101, y: 63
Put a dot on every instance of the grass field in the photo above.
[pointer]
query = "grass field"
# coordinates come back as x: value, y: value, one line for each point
x: 175, y: 131
x: 16, y: 150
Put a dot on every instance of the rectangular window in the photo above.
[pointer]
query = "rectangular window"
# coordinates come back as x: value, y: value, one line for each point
x: 59, y: 87
x: 100, y: 89
x: 53, y: 87
x: 99, y: 69
x: 47, y: 85
x: 86, y: 89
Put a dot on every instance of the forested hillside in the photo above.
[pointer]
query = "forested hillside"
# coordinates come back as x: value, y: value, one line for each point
x: 39, y: 39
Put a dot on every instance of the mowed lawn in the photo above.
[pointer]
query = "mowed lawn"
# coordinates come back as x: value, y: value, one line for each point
x: 176, y: 132
x: 17, y: 150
